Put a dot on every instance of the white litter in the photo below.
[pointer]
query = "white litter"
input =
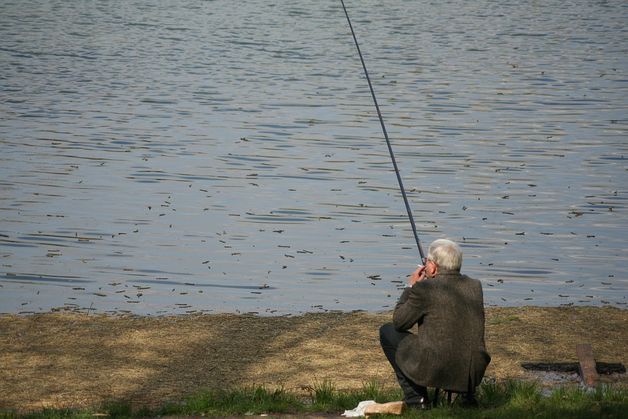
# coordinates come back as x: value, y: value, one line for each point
x: 359, y: 410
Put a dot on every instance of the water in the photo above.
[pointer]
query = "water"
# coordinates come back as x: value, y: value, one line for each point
x: 170, y: 157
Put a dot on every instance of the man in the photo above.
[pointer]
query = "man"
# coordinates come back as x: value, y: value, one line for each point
x: 448, y: 350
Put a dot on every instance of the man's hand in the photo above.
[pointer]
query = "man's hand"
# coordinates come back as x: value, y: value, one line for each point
x: 418, y: 275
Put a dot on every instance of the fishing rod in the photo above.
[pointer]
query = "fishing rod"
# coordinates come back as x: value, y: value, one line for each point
x: 390, y: 150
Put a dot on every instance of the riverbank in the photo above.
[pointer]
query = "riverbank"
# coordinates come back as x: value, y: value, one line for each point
x: 59, y: 360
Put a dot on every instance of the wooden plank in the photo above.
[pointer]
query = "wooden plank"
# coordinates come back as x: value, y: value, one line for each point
x: 390, y: 408
x: 587, y: 364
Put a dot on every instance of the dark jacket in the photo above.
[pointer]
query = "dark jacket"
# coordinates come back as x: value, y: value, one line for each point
x: 448, y: 351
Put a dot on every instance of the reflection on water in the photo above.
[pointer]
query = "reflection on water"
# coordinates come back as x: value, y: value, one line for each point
x: 174, y: 157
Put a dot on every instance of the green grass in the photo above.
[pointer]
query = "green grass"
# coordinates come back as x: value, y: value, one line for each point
x: 511, y: 399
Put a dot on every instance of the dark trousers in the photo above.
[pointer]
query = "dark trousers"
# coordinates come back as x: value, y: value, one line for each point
x: 390, y: 339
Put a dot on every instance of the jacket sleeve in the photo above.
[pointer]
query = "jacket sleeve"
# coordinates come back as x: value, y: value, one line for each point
x: 409, y: 309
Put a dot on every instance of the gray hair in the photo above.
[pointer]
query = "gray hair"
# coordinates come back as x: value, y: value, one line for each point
x: 446, y: 254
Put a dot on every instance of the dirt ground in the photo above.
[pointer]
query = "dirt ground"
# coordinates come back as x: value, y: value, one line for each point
x: 77, y: 360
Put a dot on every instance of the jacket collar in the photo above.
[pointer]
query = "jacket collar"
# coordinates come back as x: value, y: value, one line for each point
x: 442, y: 273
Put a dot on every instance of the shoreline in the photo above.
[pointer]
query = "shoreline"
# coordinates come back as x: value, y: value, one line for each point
x: 73, y: 309
x: 69, y: 360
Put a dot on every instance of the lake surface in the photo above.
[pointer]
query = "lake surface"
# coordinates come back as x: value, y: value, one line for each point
x: 217, y: 156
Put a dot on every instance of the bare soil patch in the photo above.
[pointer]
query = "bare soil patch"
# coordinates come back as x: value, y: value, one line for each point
x: 74, y: 360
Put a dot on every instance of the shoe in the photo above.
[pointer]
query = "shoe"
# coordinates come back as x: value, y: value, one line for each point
x: 424, y: 404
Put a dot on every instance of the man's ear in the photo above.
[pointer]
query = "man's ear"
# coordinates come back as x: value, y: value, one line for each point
x: 435, y: 271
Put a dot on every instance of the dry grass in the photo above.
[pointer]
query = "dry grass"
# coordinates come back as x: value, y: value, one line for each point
x: 73, y: 360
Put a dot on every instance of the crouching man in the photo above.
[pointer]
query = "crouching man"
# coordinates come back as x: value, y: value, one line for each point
x: 447, y: 351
